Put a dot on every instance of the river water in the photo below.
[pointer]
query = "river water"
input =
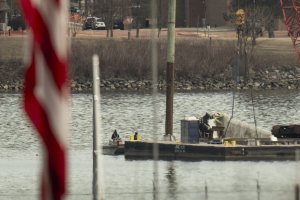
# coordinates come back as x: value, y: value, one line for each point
x: 20, y: 154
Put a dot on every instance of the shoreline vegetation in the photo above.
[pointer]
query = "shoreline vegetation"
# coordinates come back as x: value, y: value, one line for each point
x: 201, y: 64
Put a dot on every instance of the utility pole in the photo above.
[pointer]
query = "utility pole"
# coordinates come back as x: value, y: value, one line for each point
x: 170, y: 68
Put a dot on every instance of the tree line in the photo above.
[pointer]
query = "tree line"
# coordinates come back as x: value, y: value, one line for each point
x: 261, y: 12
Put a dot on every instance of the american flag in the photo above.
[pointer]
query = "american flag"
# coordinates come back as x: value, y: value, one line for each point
x: 46, y: 90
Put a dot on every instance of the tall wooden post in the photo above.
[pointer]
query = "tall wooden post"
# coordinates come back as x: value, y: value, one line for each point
x: 170, y: 67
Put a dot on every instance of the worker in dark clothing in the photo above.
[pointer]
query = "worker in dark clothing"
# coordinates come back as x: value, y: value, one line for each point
x: 204, y: 127
x: 115, y: 136
x: 135, y: 137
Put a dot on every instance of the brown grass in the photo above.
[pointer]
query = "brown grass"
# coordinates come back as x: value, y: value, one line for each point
x: 11, y: 59
x: 132, y: 59
x: 277, y: 52
x: 120, y: 58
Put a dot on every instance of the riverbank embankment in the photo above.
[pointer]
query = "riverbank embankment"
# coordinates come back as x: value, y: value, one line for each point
x: 264, y: 80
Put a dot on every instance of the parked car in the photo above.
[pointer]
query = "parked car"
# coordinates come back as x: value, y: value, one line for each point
x: 88, y: 23
x: 119, y: 25
x: 98, y: 24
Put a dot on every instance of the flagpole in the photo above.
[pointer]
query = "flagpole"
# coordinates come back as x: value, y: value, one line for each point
x: 97, y: 150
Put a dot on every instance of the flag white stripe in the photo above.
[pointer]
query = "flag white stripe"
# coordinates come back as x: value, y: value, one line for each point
x: 56, y: 23
x: 49, y: 97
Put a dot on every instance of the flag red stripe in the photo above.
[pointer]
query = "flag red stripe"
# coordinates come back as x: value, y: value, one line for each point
x: 56, y: 156
x: 54, y: 177
x: 41, y: 35
x: 57, y: 2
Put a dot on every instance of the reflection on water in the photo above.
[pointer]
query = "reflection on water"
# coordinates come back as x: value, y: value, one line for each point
x: 172, y: 182
x: 129, y: 112
x: 206, y: 191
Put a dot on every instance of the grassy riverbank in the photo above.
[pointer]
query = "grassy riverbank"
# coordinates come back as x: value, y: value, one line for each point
x: 132, y: 59
x: 196, y: 58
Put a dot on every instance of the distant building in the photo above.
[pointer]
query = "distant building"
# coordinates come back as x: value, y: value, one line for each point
x: 216, y: 10
x: 4, y: 8
x: 193, y: 13
x: 189, y: 13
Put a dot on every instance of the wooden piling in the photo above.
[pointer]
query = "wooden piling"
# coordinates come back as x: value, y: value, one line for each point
x: 170, y: 67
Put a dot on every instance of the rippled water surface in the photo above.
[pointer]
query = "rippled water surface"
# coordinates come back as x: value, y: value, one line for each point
x: 127, y: 112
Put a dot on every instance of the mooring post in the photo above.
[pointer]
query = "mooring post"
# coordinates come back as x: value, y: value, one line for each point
x: 129, y: 34
x: 206, y: 191
x: 170, y: 68
x: 297, y: 196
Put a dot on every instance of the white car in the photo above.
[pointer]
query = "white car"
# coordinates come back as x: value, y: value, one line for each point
x: 98, y: 24
x: 88, y: 23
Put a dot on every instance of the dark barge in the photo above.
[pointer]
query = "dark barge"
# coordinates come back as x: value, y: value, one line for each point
x: 203, y: 140
x: 198, y: 152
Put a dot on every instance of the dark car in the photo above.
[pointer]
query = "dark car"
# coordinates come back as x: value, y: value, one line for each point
x: 88, y: 23
x: 119, y: 25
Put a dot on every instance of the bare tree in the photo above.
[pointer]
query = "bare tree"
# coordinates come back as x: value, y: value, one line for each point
x: 268, y: 20
x: 86, y: 7
x: 140, y: 10
x: 111, y: 11
x: 259, y: 14
x: 80, y: 6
